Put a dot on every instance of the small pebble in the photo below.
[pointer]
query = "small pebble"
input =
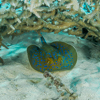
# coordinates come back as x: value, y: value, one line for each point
x: 1, y: 61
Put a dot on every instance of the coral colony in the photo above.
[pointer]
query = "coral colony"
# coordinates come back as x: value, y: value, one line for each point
x: 19, y: 16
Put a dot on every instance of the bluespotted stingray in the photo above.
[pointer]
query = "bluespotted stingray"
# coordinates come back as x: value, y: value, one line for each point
x: 55, y: 56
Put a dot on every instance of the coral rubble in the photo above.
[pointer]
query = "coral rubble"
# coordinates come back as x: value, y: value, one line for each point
x: 65, y: 94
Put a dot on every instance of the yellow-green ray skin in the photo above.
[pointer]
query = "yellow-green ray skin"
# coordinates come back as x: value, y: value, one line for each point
x: 55, y: 50
x: 71, y: 53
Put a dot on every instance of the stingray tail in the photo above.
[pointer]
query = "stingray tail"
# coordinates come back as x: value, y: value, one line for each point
x: 41, y: 37
x: 42, y: 40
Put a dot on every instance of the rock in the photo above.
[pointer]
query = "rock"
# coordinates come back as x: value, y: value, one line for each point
x: 1, y: 61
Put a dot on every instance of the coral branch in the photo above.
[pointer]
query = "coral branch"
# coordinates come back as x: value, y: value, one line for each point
x: 30, y: 28
x: 64, y: 25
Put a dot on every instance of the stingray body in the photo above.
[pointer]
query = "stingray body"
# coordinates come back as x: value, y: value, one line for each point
x: 52, y: 57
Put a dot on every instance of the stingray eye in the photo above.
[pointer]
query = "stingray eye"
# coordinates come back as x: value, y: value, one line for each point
x: 49, y: 60
x: 59, y: 59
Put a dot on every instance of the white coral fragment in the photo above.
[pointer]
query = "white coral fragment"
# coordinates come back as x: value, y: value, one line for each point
x: 12, y: 27
x: 75, y: 5
x: 36, y: 13
x: 35, y: 4
x: 47, y: 3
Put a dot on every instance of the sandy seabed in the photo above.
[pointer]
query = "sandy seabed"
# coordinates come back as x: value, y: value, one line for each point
x: 19, y: 81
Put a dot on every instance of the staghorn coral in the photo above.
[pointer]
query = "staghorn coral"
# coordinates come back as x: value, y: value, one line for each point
x: 50, y: 16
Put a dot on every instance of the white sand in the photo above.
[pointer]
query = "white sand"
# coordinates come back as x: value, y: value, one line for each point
x: 16, y: 75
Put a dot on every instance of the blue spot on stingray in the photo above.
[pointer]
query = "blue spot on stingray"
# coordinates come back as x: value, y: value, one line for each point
x: 40, y: 68
x: 51, y: 69
x: 50, y: 56
x: 36, y: 65
x: 69, y: 60
x: 52, y: 66
x: 66, y: 58
x: 40, y: 64
x: 72, y: 58
x: 56, y: 66
x: 43, y: 69
x: 61, y: 67
x: 59, y: 52
x: 37, y: 59
x: 54, y: 57
x: 63, y: 56
x: 71, y: 63
x: 54, y: 54
x: 33, y: 63
x: 45, y: 66
x: 47, y: 69
x: 68, y: 64
x: 66, y: 61
x: 41, y: 60
x: 69, y: 56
